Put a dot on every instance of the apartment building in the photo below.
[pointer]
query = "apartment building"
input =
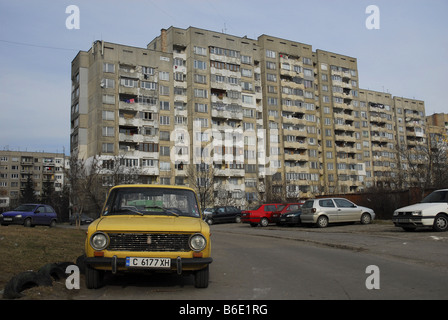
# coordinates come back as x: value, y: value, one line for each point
x: 17, y: 166
x: 267, y: 114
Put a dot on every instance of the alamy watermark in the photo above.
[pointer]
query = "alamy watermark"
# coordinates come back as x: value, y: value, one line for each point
x: 373, y: 20
x: 373, y: 280
x: 73, y: 20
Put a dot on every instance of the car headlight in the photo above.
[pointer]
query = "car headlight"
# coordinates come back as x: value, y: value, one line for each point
x: 395, y: 213
x: 99, y: 241
x: 416, y: 213
x: 197, y: 242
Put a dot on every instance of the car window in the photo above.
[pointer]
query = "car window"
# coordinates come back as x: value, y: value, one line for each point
x: 436, y: 196
x: 327, y: 203
x: 151, y: 201
x: 269, y: 208
x: 342, y: 203
x: 40, y: 209
x: 308, y: 204
x: 293, y: 207
x: 49, y: 209
x: 221, y: 210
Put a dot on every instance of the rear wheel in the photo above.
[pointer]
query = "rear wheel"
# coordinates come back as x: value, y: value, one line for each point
x: 322, y: 222
x: 264, y: 222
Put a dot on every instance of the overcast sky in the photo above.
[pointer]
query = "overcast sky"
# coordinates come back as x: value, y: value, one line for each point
x: 407, y: 56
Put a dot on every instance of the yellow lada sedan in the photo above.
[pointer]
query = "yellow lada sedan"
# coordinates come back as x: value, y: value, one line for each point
x: 148, y: 228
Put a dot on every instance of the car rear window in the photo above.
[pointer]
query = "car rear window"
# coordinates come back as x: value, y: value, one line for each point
x: 308, y: 204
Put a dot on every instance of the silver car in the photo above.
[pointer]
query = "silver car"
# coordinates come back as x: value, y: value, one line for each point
x: 329, y: 210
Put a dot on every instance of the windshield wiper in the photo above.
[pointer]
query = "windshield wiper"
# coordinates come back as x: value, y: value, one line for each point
x: 164, y: 210
x: 132, y: 210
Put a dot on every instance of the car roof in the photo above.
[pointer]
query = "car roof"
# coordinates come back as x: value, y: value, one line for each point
x: 150, y: 186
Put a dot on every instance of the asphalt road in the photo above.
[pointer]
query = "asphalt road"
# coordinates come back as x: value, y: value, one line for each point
x: 277, y: 263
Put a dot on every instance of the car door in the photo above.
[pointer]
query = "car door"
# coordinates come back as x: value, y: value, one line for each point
x: 220, y: 214
x: 39, y: 215
x: 329, y: 208
x: 347, y: 210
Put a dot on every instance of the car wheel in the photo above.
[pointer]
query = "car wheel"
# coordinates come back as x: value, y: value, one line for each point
x: 322, y: 222
x: 264, y: 222
x: 52, y: 224
x: 366, y: 218
x: 94, y: 278
x: 238, y: 219
x: 209, y: 221
x: 28, y: 223
x: 441, y: 223
x: 201, y: 278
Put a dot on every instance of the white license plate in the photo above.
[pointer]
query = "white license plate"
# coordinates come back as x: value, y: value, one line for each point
x: 7, y: 219
x: 137, y: 262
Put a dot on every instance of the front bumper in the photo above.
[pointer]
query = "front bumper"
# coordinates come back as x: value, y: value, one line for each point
x: 410, y: 221
x: 12, y: 220
x: 115, y: 264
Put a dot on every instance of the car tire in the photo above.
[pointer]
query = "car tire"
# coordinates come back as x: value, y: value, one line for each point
x: 23, y: 281
x: 52, y: 224
x: 94, y: 278
x: 322, y: 222
x: 27, y: 223
x: 238, y: 219
x: 366, y: 218
x: 209, y: 221
x: 53, y: 271
x: 264, y: 222
x: 201, y: 278
x: 441, y: 223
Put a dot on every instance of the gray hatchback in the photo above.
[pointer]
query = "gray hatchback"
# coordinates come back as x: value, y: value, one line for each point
x: 323, y: 211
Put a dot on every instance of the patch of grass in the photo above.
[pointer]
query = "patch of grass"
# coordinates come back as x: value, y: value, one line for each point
x: 23, y: 249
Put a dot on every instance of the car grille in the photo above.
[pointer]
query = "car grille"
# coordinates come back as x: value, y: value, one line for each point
x: 149, y: 242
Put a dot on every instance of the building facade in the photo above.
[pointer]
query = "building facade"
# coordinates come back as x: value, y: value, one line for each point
x: 17, y: 166
x: 267, y: 114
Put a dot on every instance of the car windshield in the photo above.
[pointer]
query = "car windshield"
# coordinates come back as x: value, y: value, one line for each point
x: 436, y: 196
x: 25, y: 208
x: 152, y: 201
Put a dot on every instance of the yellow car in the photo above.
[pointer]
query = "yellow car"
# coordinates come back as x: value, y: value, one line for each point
x: 148, y: 228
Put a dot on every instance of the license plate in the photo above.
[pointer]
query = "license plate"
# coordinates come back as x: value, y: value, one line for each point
x: 404, y: 220
x: 137, y: 262
x: 7, y: 219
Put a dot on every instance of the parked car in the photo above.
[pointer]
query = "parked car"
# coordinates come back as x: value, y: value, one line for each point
x: 223, y: 214
x: 289, y: 215
x: 330, y: 210
x: 148, y: 228
x: 261, y: 215
x: 432, y: 212
x: 288, y: 208
x: 30, y: 215
x: 85, y: 219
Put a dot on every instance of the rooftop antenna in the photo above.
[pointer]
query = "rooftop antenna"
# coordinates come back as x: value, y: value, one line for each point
x: 225, y: 29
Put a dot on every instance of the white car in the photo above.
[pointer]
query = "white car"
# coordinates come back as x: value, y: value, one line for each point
x: 431, y: 212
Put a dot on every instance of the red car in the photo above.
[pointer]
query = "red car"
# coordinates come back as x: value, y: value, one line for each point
x: 288, y: 208
x: 261, y: 215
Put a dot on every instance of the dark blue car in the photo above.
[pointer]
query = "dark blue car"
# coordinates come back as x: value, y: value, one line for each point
x: 30, y: 215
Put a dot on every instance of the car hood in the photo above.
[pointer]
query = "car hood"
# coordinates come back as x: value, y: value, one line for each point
x: 14, y: 213
x: 148, y: 223
x: 422, y: 206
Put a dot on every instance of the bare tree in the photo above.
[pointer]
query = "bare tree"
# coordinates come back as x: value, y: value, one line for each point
x: 201, y: 179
